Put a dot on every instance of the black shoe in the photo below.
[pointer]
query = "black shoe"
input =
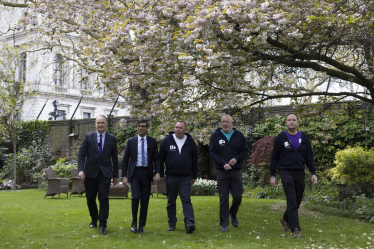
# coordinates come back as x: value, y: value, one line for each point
x: 285, y: 225
x: 171, y: 228
x: 190, y: 228
x: 296, y: 233
x: 234, y: 220
x: 225, y: 228
x: 102, y: 230
x: 141, y: 230
x: 93, y: 224
x: 133, y: 228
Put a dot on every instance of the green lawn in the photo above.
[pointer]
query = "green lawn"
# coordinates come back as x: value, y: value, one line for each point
x: 29, y: 221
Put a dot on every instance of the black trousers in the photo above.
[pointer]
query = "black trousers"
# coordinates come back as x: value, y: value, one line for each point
x: 98, y: 186
x: 293, y: 182
x: 183, y: 185
x: 140, y: 191
x: 229, y: 181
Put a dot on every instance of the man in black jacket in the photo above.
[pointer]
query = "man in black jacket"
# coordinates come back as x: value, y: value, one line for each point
x: 228, y: 148
x: 97, y: 164
x: 139, y: 158
x: 291, y: 151
x: 178, y: 152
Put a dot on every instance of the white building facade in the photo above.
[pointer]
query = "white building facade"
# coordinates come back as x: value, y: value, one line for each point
x: 52, y: 80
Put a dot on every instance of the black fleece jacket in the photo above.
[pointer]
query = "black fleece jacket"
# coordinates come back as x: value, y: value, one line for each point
x: 178, y: 165
x: 284, y: 155
x: 222, y: 151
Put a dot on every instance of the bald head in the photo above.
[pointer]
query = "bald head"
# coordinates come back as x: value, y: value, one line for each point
x: 227, y: 123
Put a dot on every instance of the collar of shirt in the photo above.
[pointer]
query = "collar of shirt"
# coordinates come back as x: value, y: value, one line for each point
x: 140, y: 138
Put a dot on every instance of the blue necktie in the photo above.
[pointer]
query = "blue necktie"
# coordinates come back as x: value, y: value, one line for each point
x: 101, y: 145
x: 143, y: 155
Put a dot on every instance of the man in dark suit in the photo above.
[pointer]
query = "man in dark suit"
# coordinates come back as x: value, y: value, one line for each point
x: 141, y: 152
x: 97, y: 164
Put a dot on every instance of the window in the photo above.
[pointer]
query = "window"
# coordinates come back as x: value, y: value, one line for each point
x: 62, y: 115
x: 86, y: 115
x: 57, y: 71
x: 23, y: 64
x: 83, y: 79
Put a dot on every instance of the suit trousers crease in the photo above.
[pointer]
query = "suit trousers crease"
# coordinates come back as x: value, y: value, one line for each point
x: 293, y: 182
x: 140, y: 191
x: 183, y: 185
x: 98, y: 186
x: 229, y: 181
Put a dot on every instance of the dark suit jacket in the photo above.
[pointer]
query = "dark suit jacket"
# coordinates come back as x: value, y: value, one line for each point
x: 89, y: 160
x: 131, y: 154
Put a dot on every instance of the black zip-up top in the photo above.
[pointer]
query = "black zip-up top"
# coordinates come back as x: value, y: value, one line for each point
x: 284, y: 155
x: 178, y: 165
x: 222, y: 150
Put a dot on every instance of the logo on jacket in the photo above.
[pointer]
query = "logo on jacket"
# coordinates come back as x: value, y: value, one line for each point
x: 300, y: 141
x: 173, y: 148
x: 287, y: 145
x: 222, y: 142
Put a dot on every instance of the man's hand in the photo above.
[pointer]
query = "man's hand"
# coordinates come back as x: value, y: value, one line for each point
x: 193, y: 181
x: 115, y: 180
x: 125, y: 182
x: 232, y: 162
x: 314, y: 179
x: 273, y: 181
x: 227, y: 166
x: 157, y: 177
x: 81, y: 175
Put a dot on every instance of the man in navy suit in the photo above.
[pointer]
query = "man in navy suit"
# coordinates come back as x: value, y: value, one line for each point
x: 97, y: 164
x: 138, y: 160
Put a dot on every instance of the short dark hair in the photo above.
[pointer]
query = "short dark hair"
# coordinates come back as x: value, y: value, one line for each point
x: 181, y: 121
x: 291, y: 113
x: 144, y: 121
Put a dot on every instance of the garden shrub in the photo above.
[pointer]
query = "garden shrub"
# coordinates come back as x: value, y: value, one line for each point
x: 260, y: 158
x: 30, y: 161
x: 62, y: 168
x: 204, y: 187
x: 354, y: 166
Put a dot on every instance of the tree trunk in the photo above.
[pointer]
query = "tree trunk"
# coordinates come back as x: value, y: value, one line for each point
x: 14, y: 187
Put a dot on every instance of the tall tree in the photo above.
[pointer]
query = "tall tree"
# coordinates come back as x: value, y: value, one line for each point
x: 195, y: 59
x: 12, y: 97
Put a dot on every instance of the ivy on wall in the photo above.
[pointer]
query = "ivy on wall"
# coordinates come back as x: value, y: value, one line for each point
x: 35, y: 130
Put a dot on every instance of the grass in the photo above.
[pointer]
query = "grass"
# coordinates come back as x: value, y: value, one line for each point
x: 29, y: 221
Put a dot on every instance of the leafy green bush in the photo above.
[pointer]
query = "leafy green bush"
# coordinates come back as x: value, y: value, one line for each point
x: 204, y: 187
x: 29, y: 161
x: 62, y: 168
x: 354, y: 166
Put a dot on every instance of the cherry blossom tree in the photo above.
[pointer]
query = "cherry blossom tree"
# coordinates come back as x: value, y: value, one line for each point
x: 196, y: 59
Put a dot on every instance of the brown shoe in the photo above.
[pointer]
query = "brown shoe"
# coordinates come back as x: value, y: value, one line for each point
x: 296, y: 233
x: 285, y: 225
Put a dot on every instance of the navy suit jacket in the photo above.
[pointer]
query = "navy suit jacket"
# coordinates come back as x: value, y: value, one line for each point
x: 130, y: 157
x: 89, y: 160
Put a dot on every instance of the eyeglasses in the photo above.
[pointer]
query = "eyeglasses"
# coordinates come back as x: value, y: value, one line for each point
x: 142, y: 126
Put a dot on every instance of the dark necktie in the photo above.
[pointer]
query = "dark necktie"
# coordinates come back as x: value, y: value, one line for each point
x: 101, y: 145
x: 143, y: 155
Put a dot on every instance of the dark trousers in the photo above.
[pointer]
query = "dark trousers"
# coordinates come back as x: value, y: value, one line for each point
x: 140, y: 191
x: 293, y: 182
x: 229, y: 181
x: 98, y: 186
x: 183, y: 184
